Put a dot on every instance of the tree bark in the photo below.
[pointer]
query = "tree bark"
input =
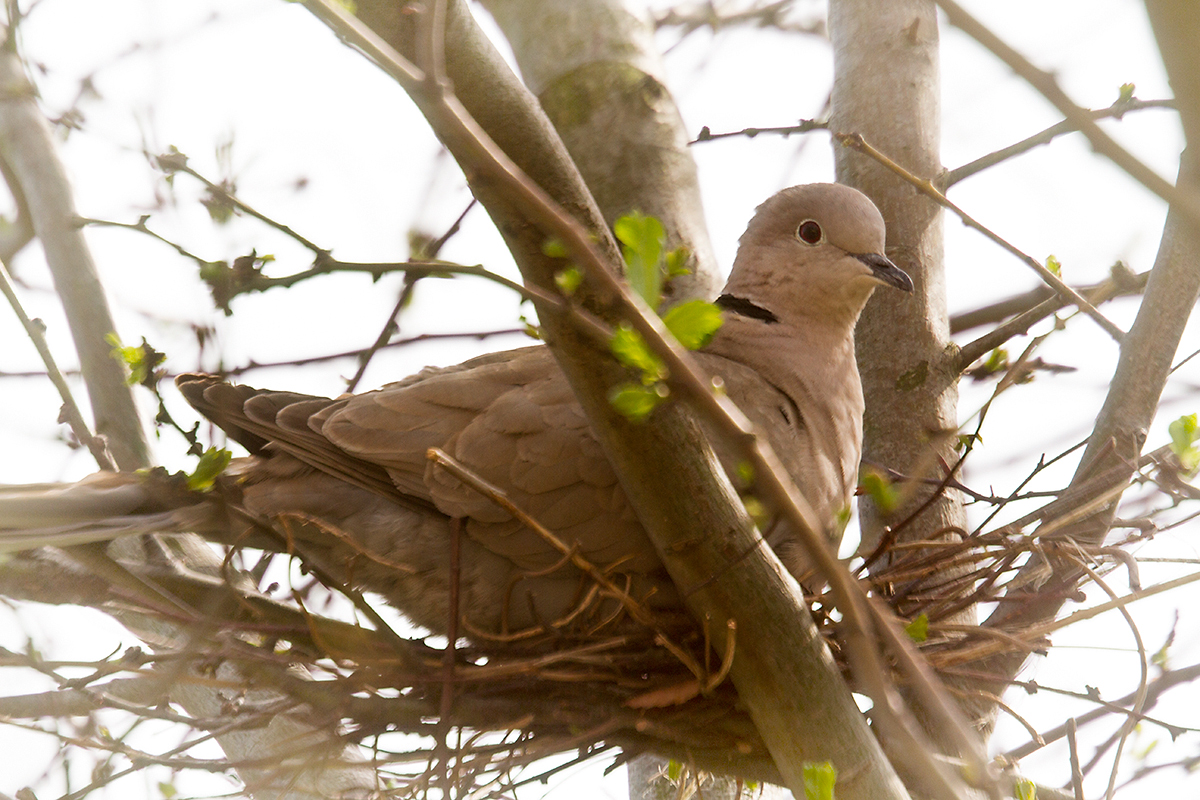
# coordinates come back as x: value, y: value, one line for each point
x: 595, y: 69
x: 27, y: 148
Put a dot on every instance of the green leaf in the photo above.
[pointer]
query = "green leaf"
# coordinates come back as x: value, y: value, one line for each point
x: 918, y: 629
x: 880, y: 490
x: 141, y: 360
x: 1183, y: 442
x: 167, y: 790
x: 693, y: 323
x: 843, y: 517
x: 1054, y: 266
x: 554, y: 248
x: 819, y: 780
x: 997, y: 361
x: 642, y: 239
x: 632, y: 351
x: 568, y: 279
x: 1125, y: 93
x: 212, y: 463
x: 674, y: 770
x: 966, y: 440
x: 635, y: 402
x: 1026, y: 790
x: 677, y: 262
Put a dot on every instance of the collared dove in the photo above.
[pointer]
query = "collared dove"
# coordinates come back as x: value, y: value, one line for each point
x: 347, y: 480
x: 355, y: 470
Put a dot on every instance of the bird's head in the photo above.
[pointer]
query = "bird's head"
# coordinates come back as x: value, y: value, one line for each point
x: 816, y: 248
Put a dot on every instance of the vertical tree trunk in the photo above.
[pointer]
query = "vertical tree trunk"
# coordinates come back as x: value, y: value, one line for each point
x: 886, y: 89
x: 595, y: 69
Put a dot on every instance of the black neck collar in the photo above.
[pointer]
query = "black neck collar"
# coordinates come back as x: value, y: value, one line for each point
x: 746, y: 308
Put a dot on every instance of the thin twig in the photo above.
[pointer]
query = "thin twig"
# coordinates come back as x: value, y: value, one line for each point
x: 1045, y: 83
x: 70, y: 411
x: 803, y: 126
x: 1117, y: 109
x: 927, y: 188
x: 500, y: 498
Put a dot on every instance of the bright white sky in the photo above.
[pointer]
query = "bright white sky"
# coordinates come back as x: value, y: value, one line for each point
x: 268, y: 77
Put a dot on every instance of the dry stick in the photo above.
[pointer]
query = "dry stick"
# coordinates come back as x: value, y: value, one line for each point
x: 635, y: 609
x: 177, y: 162
x: 1143, y: 680
x: 1101, y: 142
x: 446, y: 702
x: 1117, y: 109
x: 70, y: 411
x: 1161, y: 684
x: 989, y: 649
x: 926, y: 187
x: 804, y: 126
x: 863, y: 621
x: 1076, y: 772
x: 410, y: 283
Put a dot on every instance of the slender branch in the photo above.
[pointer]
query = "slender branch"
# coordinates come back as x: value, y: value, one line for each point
x: 70, y: 411
x: 634, y: 608
x: 1117, y: 109
x: 804, y: 126
x: 1121, y: 282
x: 927, y: 188
x: 1044, y: 82
x: 173, y: 162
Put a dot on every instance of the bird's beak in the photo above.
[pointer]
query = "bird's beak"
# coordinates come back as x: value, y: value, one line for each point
x: 885, y: 271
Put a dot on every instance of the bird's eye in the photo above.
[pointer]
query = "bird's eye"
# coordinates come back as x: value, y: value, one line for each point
x: 810, y: 232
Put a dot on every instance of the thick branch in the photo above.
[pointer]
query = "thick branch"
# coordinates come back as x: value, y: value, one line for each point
x: 27, y: 149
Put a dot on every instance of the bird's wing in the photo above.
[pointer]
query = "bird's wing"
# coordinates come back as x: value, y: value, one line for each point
x: 513, y: 419
x: 510, y: 417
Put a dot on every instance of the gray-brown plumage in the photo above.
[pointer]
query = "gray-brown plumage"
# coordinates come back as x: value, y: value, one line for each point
x: 348, y: 481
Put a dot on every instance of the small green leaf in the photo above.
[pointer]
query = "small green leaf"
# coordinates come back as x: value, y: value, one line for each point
x: 843, y: 517
x: 745, y: 472
x: 1183, y: 442
x: 966, y: 440
x: 212, y: 463
x: 1162, y: 656
x: 167, y: 790
x: 997, y: 361
x: 635, y: 402
x: 568, y: 280
x: 531, y: 330
x: 880, y: 490
x: 1026, y: 789
x: 674, y: 770
x: 677, y: 262
x: 918, y: 629
x: 1125, y: 93
x: 631, y: 350
x: 819, y: 780
x: 1054, y: 266
x: 141, y: 360
x: 554, y: 248
x: 693, y: 323
x: 642, y: 239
